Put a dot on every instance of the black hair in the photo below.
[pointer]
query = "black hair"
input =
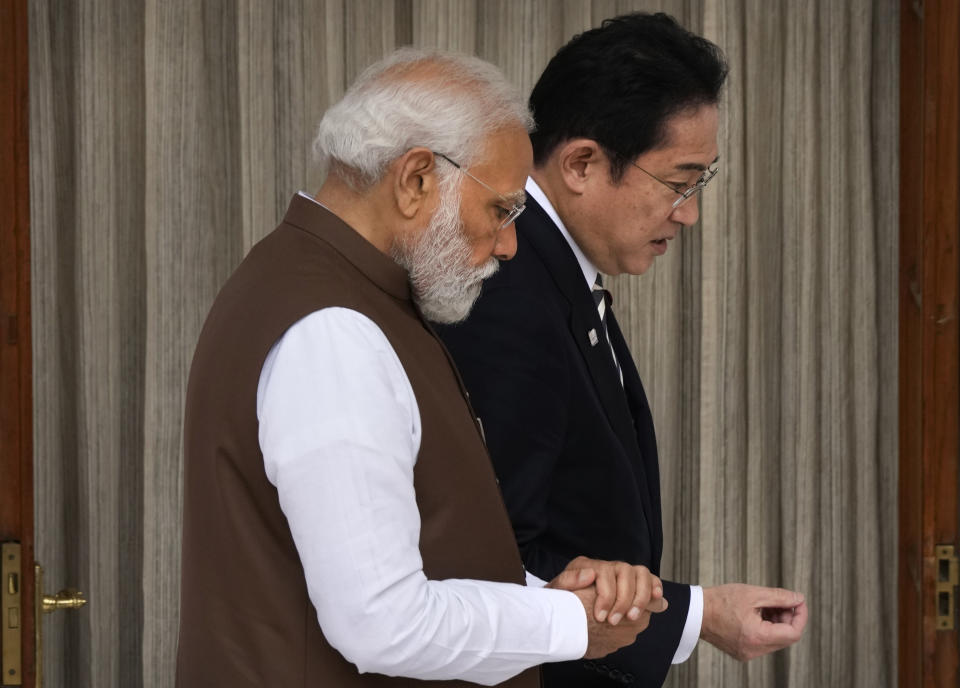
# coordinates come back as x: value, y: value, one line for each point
x: 619, y: 85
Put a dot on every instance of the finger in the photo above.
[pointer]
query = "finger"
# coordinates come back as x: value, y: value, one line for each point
x: 774, y: 636
x: 628, y: 578
x: 647, y: 583
x: 656, y: 604
x: 573, y: 579
x: 778, y: 597
x: 776, y: 615
x: 800, y: 615
x: 582, y: 562
x: 778, y: 636
x: 606, y: 583
x: 657, y: 592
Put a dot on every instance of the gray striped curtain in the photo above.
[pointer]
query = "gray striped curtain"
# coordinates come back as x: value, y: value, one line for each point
x: 168, y: 136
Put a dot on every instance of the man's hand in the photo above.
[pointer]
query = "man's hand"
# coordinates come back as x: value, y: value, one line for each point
x: 604, y: 638
x: 747, y: 621
x: 622, y: 590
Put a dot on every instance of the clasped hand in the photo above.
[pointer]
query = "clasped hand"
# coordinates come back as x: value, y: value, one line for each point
x: 617, y: 598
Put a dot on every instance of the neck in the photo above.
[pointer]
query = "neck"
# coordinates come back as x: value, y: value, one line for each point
x: 361, y: 210
x: 543, y: 179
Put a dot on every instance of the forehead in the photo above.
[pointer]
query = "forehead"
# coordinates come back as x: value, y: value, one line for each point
x: 506, y: 159
x: 690, y: 142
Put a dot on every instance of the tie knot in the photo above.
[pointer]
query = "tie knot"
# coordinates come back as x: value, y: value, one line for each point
x: 601, y: 295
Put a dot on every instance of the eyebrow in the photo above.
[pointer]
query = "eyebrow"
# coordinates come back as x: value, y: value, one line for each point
x: 696, y: 166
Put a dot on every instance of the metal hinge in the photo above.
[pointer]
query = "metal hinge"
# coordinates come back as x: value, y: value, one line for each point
x: 948, y: 576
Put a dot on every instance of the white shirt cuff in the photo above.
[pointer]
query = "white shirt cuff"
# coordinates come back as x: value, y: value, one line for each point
x: 572, y: 640
x: 691, y: 629
x: 571, y: 637
x: 533, y: 581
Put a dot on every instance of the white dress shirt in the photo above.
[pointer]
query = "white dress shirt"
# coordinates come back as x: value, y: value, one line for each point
x: 340, y: 432
x: 691, y: 627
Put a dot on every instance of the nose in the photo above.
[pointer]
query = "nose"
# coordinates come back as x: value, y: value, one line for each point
x: 505, y: 247
x: 688, y: 213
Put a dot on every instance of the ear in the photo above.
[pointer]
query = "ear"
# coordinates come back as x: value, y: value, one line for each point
x: 414, y: 181
x: 579, y: 161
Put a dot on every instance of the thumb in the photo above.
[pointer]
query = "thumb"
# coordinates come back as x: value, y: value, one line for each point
x: 657, y: 605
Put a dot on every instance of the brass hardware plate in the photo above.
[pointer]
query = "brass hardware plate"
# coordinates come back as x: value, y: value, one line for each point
x: 947, y: 577
x: 10, y: 617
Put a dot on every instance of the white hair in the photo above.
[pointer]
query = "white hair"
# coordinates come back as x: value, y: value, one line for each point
x: 443, y: 101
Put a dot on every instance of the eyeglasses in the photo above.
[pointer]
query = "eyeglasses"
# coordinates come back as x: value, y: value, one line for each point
x: 686, y: 193
x: 514, y: 208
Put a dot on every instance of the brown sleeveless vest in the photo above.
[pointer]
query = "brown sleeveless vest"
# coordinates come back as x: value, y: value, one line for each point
x: 245, y: 617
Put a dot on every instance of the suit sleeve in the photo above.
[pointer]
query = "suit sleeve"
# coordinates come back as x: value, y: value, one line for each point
x: 519, y: 381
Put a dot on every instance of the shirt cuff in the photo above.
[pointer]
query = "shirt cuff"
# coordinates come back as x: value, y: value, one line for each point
x: 533, y: 581
x: 570, y: 638
x: 691, y: 629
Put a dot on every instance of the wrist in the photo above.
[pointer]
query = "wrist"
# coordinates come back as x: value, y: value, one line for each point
x: 708, y: 622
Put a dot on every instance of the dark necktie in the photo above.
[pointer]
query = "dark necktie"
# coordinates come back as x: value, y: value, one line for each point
x: 602, y: 299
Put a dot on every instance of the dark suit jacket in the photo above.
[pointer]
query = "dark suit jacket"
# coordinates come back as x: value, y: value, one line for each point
x: 574, y: 451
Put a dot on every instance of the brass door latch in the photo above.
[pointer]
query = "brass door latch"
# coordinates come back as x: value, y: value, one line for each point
x: 947, y: 578
x: 11, y: 614
x: 69, y: 598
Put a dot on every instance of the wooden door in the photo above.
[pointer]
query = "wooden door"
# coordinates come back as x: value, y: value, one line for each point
x: 16, y: 428
x: 929, y: 351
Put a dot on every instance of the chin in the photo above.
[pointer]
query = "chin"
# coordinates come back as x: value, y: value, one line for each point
x: 635, y: 269
x: 640, y: 266
x: 449, y: 311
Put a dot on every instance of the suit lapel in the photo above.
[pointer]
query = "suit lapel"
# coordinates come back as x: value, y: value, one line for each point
x: 644, y: 433
x: 585, y: 325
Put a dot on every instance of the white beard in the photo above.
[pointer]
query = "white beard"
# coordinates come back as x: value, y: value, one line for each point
x: 445, y: 285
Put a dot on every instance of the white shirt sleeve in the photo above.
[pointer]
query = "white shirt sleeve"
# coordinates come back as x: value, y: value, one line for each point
x: 340, y: 432
x: 691, y: 628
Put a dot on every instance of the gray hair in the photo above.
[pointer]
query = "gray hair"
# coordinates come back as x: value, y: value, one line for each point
x: 443, y: 101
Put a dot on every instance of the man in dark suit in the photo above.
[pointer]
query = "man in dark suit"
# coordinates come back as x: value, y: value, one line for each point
x: 625, y: 139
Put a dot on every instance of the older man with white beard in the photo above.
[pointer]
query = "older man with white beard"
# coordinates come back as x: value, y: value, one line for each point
x: 342, y: 522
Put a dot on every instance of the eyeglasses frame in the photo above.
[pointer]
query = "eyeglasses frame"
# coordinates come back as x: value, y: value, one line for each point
x: 690, y: 191
x: 515, y: 208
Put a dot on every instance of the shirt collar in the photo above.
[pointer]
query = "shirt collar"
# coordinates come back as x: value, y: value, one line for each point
x: 310, y: 198
x: 590, y: 271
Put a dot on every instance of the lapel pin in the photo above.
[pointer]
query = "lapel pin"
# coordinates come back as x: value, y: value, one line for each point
x: 592, y: 335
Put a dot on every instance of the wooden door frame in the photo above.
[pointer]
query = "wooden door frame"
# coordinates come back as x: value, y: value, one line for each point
x: 929, y: 373
x: 16, y: 394
x: 929, y: 344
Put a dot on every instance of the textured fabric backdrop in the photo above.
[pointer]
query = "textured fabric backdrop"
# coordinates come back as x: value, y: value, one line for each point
x: 167, y: 137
